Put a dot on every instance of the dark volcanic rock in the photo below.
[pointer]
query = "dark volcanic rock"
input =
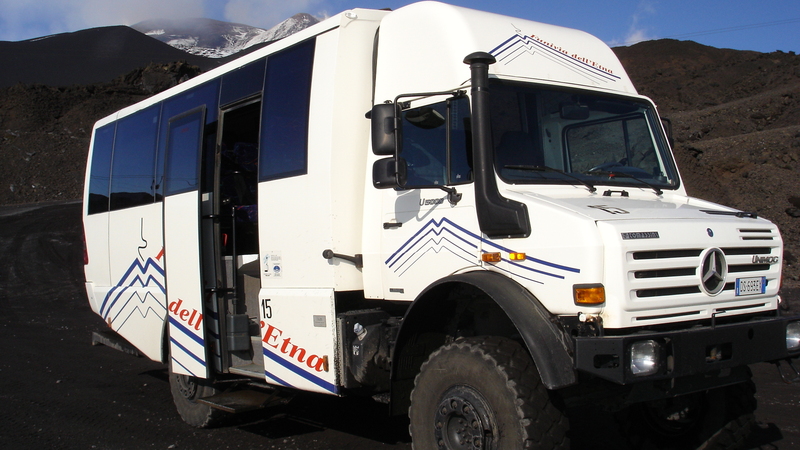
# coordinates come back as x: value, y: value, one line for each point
x: 95, y: 55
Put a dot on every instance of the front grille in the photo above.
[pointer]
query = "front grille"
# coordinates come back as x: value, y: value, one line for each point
x: 668, y: 273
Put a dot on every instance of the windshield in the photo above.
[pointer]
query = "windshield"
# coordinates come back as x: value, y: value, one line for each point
x: 551, y: 136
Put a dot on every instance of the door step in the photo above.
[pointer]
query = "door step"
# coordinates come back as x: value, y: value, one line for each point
x: 244, y: 400
x: 253, y: 370
x: 115, y: 341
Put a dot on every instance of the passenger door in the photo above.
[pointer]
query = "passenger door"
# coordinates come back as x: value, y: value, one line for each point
x: 185, y: 294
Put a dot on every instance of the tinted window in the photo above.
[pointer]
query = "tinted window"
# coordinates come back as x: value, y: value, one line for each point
x: 183, y: 152
x: 242, y: 82
x: 287, y: 93
x: 101, y: 169
x: 436, y: 144
x: 206, y: 95
x: 133, y: 171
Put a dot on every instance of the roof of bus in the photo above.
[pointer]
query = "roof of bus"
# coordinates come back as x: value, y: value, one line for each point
x: 422, y: 47
x: 431, y: 57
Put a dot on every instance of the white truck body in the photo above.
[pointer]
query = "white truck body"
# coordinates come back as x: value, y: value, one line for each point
x: 163, y: 273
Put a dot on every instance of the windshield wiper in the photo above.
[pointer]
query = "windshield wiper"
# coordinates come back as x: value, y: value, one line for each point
x: 620, y: 174
x: 590, y: 186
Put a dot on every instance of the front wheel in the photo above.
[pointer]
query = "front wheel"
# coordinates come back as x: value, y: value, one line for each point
x: 484, y: 393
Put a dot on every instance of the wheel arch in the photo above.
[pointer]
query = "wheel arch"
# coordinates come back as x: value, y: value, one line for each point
x: 478, y: 303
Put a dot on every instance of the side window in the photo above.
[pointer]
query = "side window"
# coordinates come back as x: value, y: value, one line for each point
x: 425, y: 145
x: 184, y: 140
x: 436, y: 144
x: 133, y: 171
x: 101, y: 169
x: 460, y: 142
x: 243, y: 82
x: 284, y: 118
x: 206, y: 95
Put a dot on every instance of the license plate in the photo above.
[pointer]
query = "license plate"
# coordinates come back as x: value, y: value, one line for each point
x: 751, y: 286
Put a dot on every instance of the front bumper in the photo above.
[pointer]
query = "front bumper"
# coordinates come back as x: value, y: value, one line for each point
x: 687, y: 352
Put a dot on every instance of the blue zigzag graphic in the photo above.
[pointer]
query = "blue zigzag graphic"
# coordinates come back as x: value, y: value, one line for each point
x: 520, y: 44
x: 445, y: 235
x: 149, y: 304
x: 137, y: 275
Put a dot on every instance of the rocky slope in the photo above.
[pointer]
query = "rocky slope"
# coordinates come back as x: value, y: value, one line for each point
x: 736, y: 123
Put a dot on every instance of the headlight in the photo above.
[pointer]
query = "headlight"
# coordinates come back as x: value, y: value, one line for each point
x: 793, y: 336
x: 645, y: 357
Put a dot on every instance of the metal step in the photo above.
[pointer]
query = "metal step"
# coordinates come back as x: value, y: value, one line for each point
x: 251, y: 370
x: 115, y: 341
x: 243, y: 400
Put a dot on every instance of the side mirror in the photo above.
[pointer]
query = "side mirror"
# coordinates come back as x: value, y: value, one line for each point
x: 389, y: 173
x: 384, y: 130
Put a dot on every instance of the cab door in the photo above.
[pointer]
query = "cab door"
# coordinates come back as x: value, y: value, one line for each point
x: 428, y: 232
x: 187, y: 333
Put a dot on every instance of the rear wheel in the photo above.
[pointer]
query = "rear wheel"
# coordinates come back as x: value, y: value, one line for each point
x: 186, y: 390
x: 483, y: 393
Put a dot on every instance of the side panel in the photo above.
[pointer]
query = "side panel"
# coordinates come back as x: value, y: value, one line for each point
x: 135, y: 307
x: 433, y: 241
x: 298, y: 337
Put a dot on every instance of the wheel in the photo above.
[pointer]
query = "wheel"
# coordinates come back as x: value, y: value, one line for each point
x: 483, y: 393
x: 185, y: 392
x: 717, y: 419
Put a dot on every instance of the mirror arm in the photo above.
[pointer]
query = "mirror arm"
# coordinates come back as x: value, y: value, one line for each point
x: 453, y: 196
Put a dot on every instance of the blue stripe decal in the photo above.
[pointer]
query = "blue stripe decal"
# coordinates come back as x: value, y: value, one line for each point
x: 124, y: 282
x: 174, y: 323
x: 463, y: 246
x: 186, y: 369
x: 302, y: 373
x: 277, y: 379
x: 186, y: 350
x: 520, y: 42
x: 433, y: 223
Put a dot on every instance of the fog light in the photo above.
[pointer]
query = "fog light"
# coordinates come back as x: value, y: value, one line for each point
x: 793, y: 336
x: 645, y: 358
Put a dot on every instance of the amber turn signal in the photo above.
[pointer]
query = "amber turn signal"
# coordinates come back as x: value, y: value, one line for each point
x: 592, y: 294
x: 491, y: 257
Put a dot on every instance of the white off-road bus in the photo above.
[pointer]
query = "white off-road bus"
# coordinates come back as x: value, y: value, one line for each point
x: 473, y: 217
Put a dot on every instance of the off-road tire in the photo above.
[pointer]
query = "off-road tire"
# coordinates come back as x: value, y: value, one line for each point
x: 186, y: 390
x: 484, y: 393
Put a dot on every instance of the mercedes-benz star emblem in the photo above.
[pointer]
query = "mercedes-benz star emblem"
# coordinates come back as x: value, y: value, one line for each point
x: 713, y: 271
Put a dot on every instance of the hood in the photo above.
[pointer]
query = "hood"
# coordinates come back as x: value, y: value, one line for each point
x: 640, y: 205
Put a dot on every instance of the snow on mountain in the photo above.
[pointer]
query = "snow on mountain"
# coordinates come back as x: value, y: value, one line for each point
x: 216, y: 39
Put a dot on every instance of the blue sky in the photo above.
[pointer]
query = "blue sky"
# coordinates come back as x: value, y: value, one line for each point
x: 765, y: 25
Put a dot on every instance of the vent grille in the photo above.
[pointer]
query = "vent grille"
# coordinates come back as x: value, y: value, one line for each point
x: 667, y: 254
x: 757, y: 234
x: 666, y: 273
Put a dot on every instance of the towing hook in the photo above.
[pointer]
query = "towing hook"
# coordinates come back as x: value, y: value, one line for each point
x: 789, y: 375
